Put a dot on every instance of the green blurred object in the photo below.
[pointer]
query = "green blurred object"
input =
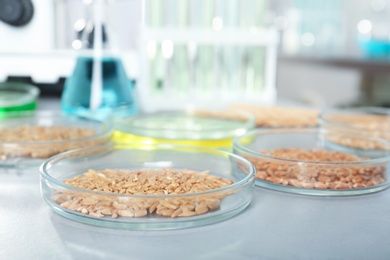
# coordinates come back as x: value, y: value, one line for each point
x: 16, y: 96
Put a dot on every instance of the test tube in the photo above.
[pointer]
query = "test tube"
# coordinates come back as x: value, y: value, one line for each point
x: 155, y: 19
x: 205, y: 57
x: 231, y: 53
x: 180, y: 59
x: 258, y: 51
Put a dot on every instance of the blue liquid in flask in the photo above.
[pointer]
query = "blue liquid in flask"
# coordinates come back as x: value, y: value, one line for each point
x: 117, y: 89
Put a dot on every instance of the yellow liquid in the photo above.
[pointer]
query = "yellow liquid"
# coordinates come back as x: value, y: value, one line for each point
x: 120, y: 137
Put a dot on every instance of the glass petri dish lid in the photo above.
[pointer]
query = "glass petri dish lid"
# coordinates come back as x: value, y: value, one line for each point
x: 17, y: 97
x: 129, y: 186
x: 27, y: 138
x: 200, y: 127
x: 309, y: 162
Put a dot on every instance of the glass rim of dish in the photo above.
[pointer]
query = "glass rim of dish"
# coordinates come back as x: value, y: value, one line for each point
x: 107, y: 126
x: 353, y: 111
x: 48, y: 163
x: 182, y: 134
x: 30, y: 93
x: 257, y: 132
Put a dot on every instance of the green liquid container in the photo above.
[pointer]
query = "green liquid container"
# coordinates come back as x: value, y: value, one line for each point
x: 16, y: 97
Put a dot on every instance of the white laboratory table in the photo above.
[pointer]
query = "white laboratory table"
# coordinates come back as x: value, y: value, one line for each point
x: 276, y: 225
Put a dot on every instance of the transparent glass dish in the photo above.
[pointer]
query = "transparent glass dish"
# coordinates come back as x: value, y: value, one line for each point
x: 196, y: 127
x: 231, y: 199
x: 308, y: 161
x: 371, y: 121
x: 28, y: 138
x: 17, y: 97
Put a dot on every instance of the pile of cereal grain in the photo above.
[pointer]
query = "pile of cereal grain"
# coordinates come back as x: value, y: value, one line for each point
x: 143, y: 182
x: 283, y: 168
x: 278, y: 116
x: 30, y: 140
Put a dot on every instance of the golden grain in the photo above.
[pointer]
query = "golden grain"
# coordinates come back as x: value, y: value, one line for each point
x: 143, y: 182
x: 319, y: 175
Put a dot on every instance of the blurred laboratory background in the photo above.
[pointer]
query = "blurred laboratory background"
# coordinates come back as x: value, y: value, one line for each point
x: 312, y: 52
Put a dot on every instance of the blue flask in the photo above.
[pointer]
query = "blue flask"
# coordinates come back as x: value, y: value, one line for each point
x: 99, y: 67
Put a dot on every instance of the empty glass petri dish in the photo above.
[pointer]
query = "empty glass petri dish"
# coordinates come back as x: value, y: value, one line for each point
x: 17, y: 97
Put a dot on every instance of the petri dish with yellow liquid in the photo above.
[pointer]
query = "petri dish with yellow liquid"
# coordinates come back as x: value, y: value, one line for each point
x: 195, y: 127
x: 16, y: 97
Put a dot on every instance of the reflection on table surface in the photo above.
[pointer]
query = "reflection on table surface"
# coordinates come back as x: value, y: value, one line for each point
x: 276, y: 225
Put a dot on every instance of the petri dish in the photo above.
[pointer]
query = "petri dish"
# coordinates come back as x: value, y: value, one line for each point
x: 306, y: 161
x: 206, y: 128
x: 124, y: 208
x: 27, y: 138
x: 370, y: 121
x: 17, y: 97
